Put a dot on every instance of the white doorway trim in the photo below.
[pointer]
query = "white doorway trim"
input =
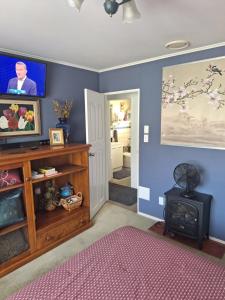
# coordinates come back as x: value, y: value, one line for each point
x: 135, y: 121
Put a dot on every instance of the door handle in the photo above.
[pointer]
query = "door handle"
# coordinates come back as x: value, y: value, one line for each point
x: 91, y: 154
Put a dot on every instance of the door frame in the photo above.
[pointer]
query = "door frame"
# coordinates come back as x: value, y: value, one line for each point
x: 135, y: 130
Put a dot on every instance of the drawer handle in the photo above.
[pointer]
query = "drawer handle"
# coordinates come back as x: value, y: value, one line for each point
x: 47, y: 238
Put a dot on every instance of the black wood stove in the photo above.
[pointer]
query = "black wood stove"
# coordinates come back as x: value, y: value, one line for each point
x: 187, y: 216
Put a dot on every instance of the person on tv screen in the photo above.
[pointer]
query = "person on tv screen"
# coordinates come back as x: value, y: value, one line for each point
x: 22, y: 85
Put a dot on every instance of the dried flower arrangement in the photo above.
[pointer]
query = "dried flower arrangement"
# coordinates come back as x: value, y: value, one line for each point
x: 62, y: 110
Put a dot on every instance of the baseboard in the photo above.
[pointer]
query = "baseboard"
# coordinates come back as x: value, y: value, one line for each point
x: 158, y: 219
x: 97, y: 208
x: 149, y: 216
x: 217, y: 240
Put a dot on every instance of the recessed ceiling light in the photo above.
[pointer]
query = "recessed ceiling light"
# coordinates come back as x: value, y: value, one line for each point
x: 177, y: 45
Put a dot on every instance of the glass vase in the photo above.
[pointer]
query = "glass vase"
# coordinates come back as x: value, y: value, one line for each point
x: 66, y: 128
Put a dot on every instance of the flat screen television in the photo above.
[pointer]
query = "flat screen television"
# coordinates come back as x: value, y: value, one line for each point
x: 22, y: 77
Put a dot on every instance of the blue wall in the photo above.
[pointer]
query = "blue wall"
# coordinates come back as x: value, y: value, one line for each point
x: 64, y: 82
x: 157, y: 162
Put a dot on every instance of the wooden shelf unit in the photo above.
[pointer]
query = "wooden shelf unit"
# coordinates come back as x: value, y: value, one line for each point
x: 44, y: 229
x: 13, y: 227
x: 11, y: 187
x: 46, y: 219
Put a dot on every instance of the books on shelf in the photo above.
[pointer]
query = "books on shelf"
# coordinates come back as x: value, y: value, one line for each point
x: 54, y: 173
x: 47, y: 171
x: 37, y: 176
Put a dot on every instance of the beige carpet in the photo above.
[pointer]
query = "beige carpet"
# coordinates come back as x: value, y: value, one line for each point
x: 110, y: 217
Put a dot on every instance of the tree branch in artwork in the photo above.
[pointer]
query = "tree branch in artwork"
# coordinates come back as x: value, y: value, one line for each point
x: 190, y: 90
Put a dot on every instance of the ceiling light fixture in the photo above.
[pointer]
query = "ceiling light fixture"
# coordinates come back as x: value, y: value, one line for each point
x: 177, y: 45
x: 130, y: 11
x: 75, y: 3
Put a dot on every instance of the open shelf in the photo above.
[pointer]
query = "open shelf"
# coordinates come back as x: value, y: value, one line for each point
x: 41, y: 231
x: 13, y: 227
x: 46, y: 218
x: 62, y: 170
x: 11, y: 187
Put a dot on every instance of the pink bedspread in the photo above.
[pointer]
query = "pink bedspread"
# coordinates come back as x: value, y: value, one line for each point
x: 130, y: 264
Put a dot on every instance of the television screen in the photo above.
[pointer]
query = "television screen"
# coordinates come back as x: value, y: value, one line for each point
x: 19, y: 76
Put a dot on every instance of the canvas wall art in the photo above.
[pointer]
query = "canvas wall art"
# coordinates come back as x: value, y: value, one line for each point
x: 193, y: 104
x: 19, y: 117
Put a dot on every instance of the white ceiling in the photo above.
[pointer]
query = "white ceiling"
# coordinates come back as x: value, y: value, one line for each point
x: 52, y: 30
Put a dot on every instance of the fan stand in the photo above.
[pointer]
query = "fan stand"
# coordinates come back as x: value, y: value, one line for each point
x: 188, y: 193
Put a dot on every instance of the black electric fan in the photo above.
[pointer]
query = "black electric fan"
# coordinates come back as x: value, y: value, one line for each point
x: 187, y: 177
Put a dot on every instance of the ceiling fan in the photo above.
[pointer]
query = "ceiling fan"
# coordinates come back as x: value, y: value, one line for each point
x: 130, y: 11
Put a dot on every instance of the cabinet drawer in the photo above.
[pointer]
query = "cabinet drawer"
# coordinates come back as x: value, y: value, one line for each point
x: 54, y: 235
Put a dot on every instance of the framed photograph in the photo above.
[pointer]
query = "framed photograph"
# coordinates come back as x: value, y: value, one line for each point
x: 19, y: 117
x: 56, y: 136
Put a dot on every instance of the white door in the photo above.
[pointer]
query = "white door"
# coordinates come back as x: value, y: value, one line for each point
x: 95, y: 135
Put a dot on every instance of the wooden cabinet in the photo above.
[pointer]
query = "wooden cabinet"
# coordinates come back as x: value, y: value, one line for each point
x: 43, y: 230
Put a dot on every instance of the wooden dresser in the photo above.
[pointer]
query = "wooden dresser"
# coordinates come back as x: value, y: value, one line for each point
x: 43, y: 230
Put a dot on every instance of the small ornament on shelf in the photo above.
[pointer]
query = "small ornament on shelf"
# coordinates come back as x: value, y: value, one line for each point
x: 66, y: 190
x: 39, y: 203
x: 72, y: 202
x: 50, y: 196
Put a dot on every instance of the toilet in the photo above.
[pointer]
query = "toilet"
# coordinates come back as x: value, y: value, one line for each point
x: 126, y: 159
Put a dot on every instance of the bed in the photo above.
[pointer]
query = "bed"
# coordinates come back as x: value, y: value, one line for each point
x: 130, y: 264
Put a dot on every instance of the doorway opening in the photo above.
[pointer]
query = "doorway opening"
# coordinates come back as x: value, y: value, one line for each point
x: 122, y: 143
x: 120, y: 137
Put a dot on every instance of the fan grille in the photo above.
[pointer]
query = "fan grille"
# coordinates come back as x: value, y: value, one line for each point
x: 186, y: 176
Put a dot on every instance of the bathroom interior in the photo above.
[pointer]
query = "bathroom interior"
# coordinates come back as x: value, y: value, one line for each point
x: 120, y: 189
x: 120, y: 128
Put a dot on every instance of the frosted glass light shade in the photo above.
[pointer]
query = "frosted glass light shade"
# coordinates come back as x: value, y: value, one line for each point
x: 78, y: 4
x: 130, y: 12
x: 75, y: 3
x: 71, y: 3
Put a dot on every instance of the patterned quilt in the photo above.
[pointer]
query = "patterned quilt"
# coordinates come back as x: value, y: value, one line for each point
x: 130, y: 264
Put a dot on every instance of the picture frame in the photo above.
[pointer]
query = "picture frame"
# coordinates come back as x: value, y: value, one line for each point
x: 19, y: 117
x: 56, y: 136
x: 193, y: 104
